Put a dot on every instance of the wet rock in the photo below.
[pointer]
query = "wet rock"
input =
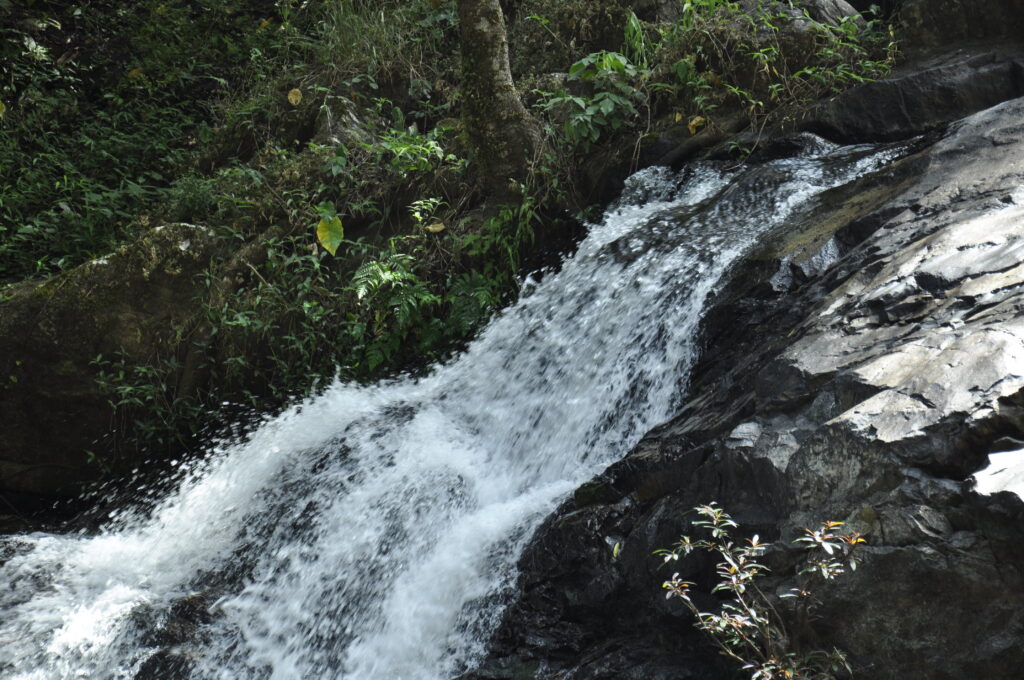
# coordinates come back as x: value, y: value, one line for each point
x: 174, y: 637
x: 1005, y: 472
x: 868, y: 386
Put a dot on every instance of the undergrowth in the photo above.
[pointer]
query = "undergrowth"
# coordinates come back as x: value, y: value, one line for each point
x: 102, y: 106
x: 720, y: 61
x: 303, y: 317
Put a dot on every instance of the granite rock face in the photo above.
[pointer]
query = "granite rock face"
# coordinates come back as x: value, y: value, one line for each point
x: 861, y: 366
x: 866, y: 365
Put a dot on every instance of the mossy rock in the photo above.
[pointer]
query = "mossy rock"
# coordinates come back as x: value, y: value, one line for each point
x: 135, y: 302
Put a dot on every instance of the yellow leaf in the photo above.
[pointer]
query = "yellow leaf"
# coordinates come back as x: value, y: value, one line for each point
x: 3, y: 109
x: 679, y: 117
x: 135, y: 72
x: 264, y: 24
x: 295, y: 96
x: 435, y: 228
x: 330, y: 233
x: 695, y: 123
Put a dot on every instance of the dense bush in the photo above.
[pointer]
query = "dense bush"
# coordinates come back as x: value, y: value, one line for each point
x: 760, y: 61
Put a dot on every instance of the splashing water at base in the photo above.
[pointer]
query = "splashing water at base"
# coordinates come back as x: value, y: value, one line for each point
x: 372, y: 532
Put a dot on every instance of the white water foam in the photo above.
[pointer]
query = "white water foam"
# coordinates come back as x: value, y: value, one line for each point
x: 371, y: 533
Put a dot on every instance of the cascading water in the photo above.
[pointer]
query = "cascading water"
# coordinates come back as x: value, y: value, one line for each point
x: 371, y: 533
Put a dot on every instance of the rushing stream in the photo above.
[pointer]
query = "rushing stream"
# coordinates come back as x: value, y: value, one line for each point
x: 371, y: 533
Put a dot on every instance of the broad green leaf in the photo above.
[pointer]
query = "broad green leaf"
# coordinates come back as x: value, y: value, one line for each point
x: 330, y: 233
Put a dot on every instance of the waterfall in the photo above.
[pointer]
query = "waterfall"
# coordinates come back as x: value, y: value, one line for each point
x: 372, y: 532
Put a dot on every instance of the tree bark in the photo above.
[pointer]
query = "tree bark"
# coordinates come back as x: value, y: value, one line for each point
x: 505, y: 138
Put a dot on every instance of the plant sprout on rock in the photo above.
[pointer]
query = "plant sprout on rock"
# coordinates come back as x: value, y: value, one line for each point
x: 748, y: 627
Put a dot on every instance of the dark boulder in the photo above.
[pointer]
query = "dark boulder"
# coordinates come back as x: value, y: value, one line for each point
x: 921, y: 96
x: 937, y: 24
x: 134, y: 302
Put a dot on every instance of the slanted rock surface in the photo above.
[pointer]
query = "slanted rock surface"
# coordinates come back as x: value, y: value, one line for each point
x: 860, y: 367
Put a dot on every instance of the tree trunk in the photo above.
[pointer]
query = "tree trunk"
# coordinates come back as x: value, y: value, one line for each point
x: 505, y: 138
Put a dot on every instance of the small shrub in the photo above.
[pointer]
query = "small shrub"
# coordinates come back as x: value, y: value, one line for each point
x: 613, y: 81
x: 750, y: 627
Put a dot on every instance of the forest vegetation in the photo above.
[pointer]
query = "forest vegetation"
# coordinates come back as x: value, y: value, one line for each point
x: 331, y: 150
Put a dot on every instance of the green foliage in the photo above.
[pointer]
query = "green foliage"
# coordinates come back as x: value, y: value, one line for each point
x: 329, y: 231
x: 496, y: 247
x: 277, y: 335
x: 750, y: 627
x: 694, y: 12
x: 613, y: 82
x: 356, y: 38
x: 766, y: 59
x: 394, y: 301
x: 637, y: 46
x: 471, y: 299
x: 402, y: 310
x: 408, y: 151
x: 763, y: 59
x: 370, y: 178
x: 301, y: 316
x: 103, y: 105
x: 424, y: 209
x: 274, y: 339
x: 149, y: 413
